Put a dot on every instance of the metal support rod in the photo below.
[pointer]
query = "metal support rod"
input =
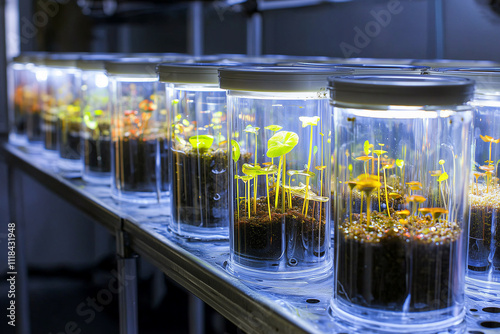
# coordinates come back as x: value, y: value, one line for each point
x: 195, y: 28
x: 196, y: 315
x: 20, y: 270
x: 254, y: 35
x: 439, y: 24
x: 127, y: 282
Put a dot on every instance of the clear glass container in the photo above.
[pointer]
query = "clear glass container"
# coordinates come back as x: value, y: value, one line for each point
x: 96, y: 117
x: 280, y: 128
x: 62, y: 114
x: 138, y: 133
x: 402, y: 148
x: 21, y: 96
x: 483, y: 266
x: 198, y: 150
x: 34, y: 116
x: 369, y: 68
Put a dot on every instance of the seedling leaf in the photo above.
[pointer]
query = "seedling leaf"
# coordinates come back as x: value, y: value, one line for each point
x: 201, y: 141
x: 281, y: 143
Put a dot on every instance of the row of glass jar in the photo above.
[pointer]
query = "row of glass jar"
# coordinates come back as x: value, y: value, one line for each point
x: 271, y: 170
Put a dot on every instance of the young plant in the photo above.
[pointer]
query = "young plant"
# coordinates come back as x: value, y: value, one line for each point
x: 235, y: 150
x: 273, y: 128
x: 255, y: 131
x: 278, y: 146
x: 308, y: 121
x: 201, y: 143
x: 367, y: 184
x: 379, y: 153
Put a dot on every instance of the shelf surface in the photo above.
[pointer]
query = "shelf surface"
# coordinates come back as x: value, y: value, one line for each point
x: 255, y: 307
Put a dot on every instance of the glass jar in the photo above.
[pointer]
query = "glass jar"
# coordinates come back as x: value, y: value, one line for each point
x: 138, y: 133
x: 483, y: 266
x: 34, y: 116
x: 280, y: 128
x: 198, y: 150
x: 369, y: 68
x: 62, y: 114
x: 20, y: 97
x: 402, y: 147
x: 96, y: 117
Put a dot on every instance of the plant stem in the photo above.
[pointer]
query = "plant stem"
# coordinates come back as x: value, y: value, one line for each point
x: 238, y: 195
x: 320, y: 194
x: 350, y: 207
x: 255, y: 180
x: 306, y: 200
x: 378, y: 175
x: 386, y: 197
x: 249, y: 200
x: 277, y: 189
x: 361, y: 208
x: 267, y: 191
x: 283, y: 188
x: 368, y: 209
x: 289, y: 191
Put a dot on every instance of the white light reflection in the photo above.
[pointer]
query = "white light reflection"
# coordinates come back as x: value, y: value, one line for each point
x: 101, y: 80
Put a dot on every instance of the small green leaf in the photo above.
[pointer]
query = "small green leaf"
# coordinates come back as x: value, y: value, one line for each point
x: 379, y: 152
x: 281, y: 143
x: 250, y: 169
x: 315, y: 149
x: 366, y: 147
x: 236, y: 150
x: 400, y: 163
x: 441, y: 162
x: 349, y: 168
x: 89, y: 122
x: 273, y: 128
x: 306, y: 121
x: 201, y: 141
x: 218, y: 114
x: 443, y: 177
x: 252, y: 129
x: 185, y: 122
x: 98, y: 112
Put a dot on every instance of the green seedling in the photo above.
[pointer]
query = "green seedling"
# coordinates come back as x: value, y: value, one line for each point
x: 201, y: 142
x: 308, y: 121
x: 379, y: 153
x: 278, y: 146
x: 255, y: 131
x: 367, y: 184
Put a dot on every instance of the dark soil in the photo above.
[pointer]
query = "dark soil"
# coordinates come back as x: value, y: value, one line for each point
x: 68, y: 132
x: 49, y: 133
x: 397, y: 266
x: 288, y: 233
x: 484, y: 248
x: 200, y: 188
x: 33, y: 127
x: 136, y: 170
x: 97, y: 149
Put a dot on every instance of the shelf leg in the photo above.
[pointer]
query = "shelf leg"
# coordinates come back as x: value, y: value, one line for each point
x: 127, y: 276
x: 196, y: 315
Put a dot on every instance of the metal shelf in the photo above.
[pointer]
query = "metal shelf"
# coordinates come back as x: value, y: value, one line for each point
x: 300, y: 307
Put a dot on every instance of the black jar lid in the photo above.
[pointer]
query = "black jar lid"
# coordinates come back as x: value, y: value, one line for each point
x: 408, y: 90
x: 487, y: 78
x: 277, y: 78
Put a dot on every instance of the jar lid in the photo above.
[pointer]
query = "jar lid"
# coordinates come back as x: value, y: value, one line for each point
x: 278, y: 78
x: 194, y: 73
x: 96, y: 62
x: 373, y: 68
x: 410, y: 90
x: 144, y: 67
x: 487, y: 78
x: 435, y: 63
